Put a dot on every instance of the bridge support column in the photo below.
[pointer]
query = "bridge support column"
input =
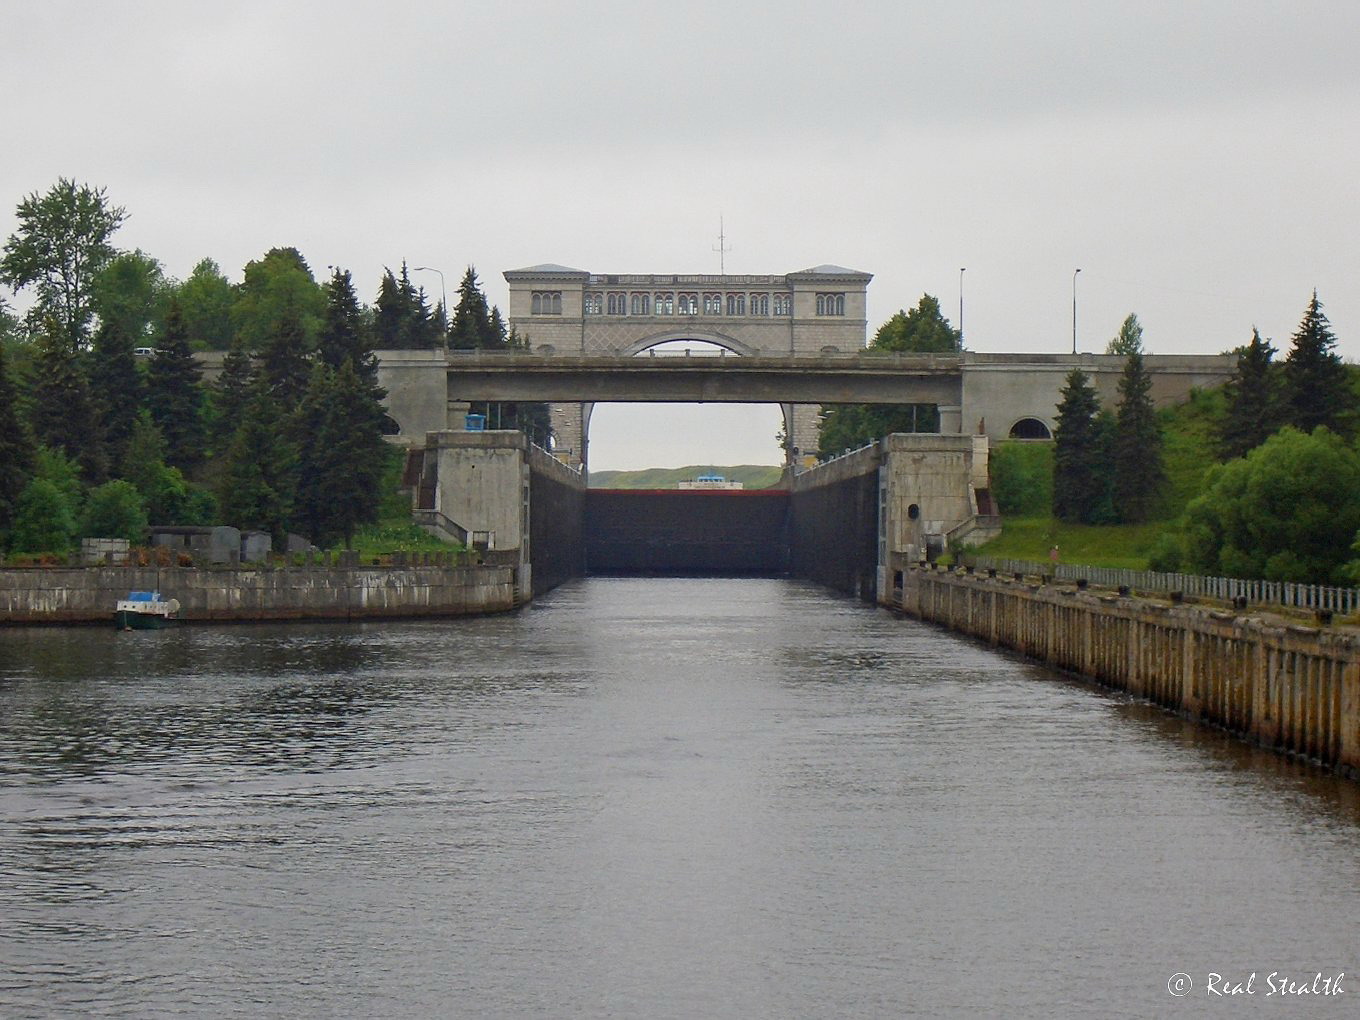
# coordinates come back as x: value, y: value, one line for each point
x: 802, y: 426
x: 569, y: 424
x: 951, y: 419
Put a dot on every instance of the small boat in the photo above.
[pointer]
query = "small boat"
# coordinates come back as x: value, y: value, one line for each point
x: 145, y: 610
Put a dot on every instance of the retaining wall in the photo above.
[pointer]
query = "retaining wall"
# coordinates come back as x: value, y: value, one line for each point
x: 1285, y: 686
x: 88, y: 595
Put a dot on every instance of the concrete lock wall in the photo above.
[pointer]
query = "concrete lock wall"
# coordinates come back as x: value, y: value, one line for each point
x: 61, y: 595
x: 1284, y: 686
x: 557, y: 496
x: 833, y: 523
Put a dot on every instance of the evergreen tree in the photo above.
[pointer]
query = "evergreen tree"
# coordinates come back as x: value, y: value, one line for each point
x: 344, y: 331
x: 175, y: 393
x: 390, y: 314
x: 1316, y: 387
x: 285, y: 364
x: 1080, y: 480
x: 259, y: 477
x: 471, y: 328
x: 1253, y: 412
x: 341, y: 455
x: 16, y: 450
x: 1129, y: 340
x: 115, y: 386
x: 499, y: 339
x: 63, y: 413
x: 230, y: 393
x: 1137, y: 446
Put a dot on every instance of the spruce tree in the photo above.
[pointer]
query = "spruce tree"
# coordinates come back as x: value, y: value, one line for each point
x: 1316, y: 387
x: 390, y: 313
x: 175, y: 393
x: 471, y: 328
x: 285, y: 363
x: 259, y: 477
x: 16, y: 450
x: 346, y: 336
x: 63, y: 413
x: 230, y: 393
x: 1080, y: 482
x: 115, y: 385
x: 1137, y: 446
x: 1253, y: 412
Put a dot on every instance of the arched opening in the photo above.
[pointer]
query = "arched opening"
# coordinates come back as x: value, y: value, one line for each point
x: 1030, y: 428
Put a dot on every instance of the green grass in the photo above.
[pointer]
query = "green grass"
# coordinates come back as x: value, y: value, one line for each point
x: 1115, y: 545
x: 393, y: 536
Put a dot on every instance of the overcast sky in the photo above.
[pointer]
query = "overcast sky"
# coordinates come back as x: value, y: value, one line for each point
x: 1200, y: 162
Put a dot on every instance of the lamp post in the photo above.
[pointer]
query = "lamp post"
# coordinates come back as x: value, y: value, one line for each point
x: 962, y: 270
x: 443, y: 299
x: 1074, y: 310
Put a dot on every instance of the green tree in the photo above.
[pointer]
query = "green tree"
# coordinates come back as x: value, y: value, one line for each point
x: 16, y: 450
x: 175, y: 393
x: 1022, y: 478
x: 403, y: 320
x: 258, y: 482
x: 206, y: 299
x: 165, y: 493
x: 61, y: 246
x: 43, y: 521
x: 63, y: 412
x: 1081, y: 480
x: 116, y: 386
x: 276, y: 287
x: 1129, y: 339
x: 285, y: 362
x: 345, y: 333
x: 1137, y: 447
x: 471, y: 328
x: 923, y: 330
x: 131, y: 294
x: 1316, y: 388
x: 1253, y: 394
x: 114, y: 510
x: 230, y: 392
x: 1287, y: 511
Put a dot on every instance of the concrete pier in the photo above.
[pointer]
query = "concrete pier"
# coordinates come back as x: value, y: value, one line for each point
x: 1282, y: 685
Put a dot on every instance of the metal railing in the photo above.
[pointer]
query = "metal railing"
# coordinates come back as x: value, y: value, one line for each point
x: 1280, y: 593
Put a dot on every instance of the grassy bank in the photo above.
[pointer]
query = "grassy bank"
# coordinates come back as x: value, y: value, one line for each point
x: 1115, y: 545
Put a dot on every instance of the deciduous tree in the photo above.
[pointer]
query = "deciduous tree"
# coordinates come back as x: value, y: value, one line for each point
x: 206, y: 299
x: 62, y: 243
x: 1129, y: 339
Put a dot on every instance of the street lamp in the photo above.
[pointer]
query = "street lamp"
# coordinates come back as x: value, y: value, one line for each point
x: 443, y: 298
x: 1074, y: 310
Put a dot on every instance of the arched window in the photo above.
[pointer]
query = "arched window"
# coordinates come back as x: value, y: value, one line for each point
x: 618, y: 304
x: 736, y: 304
x: 594, y: 304
x: 783, y: 304
x: 689, y: 304
x: 821, y: 304
x: 760, y: 304
x: 664, y: 304
x: 545, y: 302
x: 830, y: 304
x: 642, y: 304
x: 1030, y: 428
x: 713, y: 304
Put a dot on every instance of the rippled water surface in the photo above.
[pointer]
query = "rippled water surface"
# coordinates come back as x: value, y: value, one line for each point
x: 639, y: 798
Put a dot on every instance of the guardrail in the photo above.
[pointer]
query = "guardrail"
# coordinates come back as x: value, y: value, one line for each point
x: 1280, y: 593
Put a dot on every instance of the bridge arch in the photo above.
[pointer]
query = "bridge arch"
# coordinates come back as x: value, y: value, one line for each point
x: 695, y: 335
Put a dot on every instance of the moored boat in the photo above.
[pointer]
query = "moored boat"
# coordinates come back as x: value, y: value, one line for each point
x: 145, y: 610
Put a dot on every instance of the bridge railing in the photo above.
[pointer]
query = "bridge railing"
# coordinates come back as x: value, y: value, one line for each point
x: 1280, y: 593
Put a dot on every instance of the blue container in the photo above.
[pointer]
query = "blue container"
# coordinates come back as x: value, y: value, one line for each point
x: 474, y: 423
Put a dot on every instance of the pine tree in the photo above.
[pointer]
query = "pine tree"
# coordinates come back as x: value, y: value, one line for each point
x: 1316, y: 387
x: 1137, y: 446
x: 390, y: 314
x: 63, y: 413
x: 471, y: 328
x: 175, y: 393
x: 1080, y: 482
x: 230, y: 393
x: 343, y: 329
x: 259, y: 476
x: 16, y: 450
x: 115, y: 385
x: 1253, y: 413
x: 285, y: 363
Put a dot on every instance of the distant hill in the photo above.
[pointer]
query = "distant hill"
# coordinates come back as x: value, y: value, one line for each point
x: 754, y: 476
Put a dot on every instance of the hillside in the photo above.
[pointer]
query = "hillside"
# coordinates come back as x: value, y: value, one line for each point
x: 754, y: 476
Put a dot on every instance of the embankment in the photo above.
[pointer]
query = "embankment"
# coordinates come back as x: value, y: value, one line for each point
x: 1282, y: 685
x: 88, y: 595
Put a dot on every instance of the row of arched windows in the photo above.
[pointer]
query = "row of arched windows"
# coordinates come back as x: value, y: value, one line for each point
x: 710, y: 303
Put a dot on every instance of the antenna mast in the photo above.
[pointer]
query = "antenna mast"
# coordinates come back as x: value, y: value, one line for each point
x: 722, y: 248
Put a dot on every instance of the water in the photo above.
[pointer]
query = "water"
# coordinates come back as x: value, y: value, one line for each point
x: 639, y: 798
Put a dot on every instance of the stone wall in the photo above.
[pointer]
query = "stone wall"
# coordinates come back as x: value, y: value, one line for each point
x: 833, y: 523
x: 74, y: 595
x: 1282, y: 685
x: 557, y: 496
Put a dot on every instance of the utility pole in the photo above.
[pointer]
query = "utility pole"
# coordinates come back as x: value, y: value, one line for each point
x: 1074, y: 310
